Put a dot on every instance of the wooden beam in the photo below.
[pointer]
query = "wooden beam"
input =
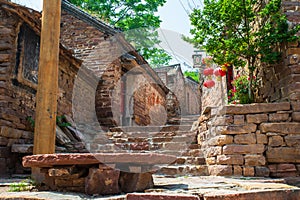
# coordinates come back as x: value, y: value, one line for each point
x: 46, y: 98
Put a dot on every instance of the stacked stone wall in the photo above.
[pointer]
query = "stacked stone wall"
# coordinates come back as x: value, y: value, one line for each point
x: 252, y: 140
x: 17, y: 97
x: 281, y: 82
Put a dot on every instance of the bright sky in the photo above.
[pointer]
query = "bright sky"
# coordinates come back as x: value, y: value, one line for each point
x: 175, y: 22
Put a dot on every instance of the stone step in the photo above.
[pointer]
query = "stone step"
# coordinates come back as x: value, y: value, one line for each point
x: 179, y: 146
x: 151, y: 128
x: 189, y: 139
x: 150, y: 134
x: 195, y: 170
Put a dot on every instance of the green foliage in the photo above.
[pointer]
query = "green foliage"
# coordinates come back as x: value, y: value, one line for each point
x: 240, y: 91
x: 138, y: 21
x: 193, y: 75
x: 241, y: 32
x: 60, y: 121
x: 31, y: 121
x: 24, y: 185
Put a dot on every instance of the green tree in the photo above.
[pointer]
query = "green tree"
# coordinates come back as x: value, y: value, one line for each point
x: 241, y: 32
x: 138, y: 20
x: 193, y: 75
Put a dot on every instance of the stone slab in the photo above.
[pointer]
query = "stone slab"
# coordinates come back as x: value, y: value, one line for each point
x: 258, y: 195
x: 96, y: 158
x: 283, y: 127
x: 283, y: 155
x: 153, y: 196
x: 256, y: 108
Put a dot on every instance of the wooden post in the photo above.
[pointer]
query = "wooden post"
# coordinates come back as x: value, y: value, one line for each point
x: 46, y: 98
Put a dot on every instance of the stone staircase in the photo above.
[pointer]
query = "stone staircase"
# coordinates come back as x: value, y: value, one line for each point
x: 176, y: 139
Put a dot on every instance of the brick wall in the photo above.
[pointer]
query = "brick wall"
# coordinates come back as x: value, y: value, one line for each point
x: 252, y: 140
x: 102, y: 55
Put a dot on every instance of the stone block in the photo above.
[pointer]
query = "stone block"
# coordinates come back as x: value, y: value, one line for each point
x: 257, y: 118
x: 255, y: 160
x: 213, y: 151
x: 220, y: 140
x: 3, y: 141
x: 295, y: 106
x: 220, y: 170
x: 79, y: 182
x: 282, y: 168
x: 230, y: 160
x: 244, y: 149
x: 10, y: 132
x: 296, y: 116
x: 283, y: 155
x: 211, y: 161
x: 135, y: 182
x: 58, y: 172
x: 261, y: 138
x: 22, y: 148
x: 278, y: 117
x: 262, y: 171
x: 256, y: 108
x: 283, y: 127
x: 237, y: 170
x: 276, y: 141
x: 292, y: 140
x: 245, y: 139
x: 248, y: 171
x: 63, y: 182
x: 236, y: 129
x: 239, y: 119
x: 102, y: 181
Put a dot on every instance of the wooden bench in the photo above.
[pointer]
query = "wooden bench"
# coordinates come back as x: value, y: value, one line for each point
x: 96, y: 173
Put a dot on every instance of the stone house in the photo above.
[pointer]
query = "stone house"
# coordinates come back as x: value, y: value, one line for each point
x: 102, y: 80
x: 184, y: 89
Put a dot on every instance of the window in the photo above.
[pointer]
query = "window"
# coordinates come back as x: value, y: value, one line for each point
x: 27, y: 61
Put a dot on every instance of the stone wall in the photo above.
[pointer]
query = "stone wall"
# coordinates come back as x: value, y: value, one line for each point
x: 281, y: 82
x: 17, y: 97
x: 215, y: 96
x: 193, y: 97
x: 149, y: 106
x: 111, y: 60
x: 252, y: 140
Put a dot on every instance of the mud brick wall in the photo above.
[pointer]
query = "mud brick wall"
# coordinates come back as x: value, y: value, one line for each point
x: 252, y: 140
